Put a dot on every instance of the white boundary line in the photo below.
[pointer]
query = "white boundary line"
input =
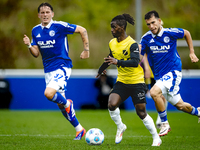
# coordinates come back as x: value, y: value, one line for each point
x: 46, y: 135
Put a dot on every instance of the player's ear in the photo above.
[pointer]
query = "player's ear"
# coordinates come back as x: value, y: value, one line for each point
x: 159, y: 20
x: 52, y: 14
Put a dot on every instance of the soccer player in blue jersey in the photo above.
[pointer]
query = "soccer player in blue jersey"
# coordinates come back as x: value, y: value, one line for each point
x: 159, y: 45
x: 50, y: 40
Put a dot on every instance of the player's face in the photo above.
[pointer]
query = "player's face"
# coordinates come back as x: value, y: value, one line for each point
x: 116, y: 30
x: 154, y: 24
x: 45, y: 15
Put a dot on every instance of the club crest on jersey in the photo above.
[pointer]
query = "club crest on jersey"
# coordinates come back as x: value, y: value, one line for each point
x: 125, y: 52
x: 52, y: 33
x: 166, y: 39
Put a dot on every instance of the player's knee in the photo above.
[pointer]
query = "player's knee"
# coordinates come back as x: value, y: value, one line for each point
x: 141, y: 114
x: 141, y: 110
x: 111, y: 106
x: 153, y: 93
x: 49, y: 95
x: 180, y: 106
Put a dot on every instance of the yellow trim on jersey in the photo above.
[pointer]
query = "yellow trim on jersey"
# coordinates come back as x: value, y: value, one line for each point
x: 121, y: 51
x: 152, y: 76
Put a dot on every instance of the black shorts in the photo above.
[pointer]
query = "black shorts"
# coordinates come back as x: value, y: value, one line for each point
x: 136, y: 91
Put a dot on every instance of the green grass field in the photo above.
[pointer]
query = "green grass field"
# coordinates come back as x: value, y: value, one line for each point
x: 41, y: 130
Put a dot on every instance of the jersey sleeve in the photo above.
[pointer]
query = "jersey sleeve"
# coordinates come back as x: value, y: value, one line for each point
x: 143, y: 45
x: 67, y: 28
x: 177, y: 33
x: 33, y: 40
x: 134, y: 57
x: 104, y: 65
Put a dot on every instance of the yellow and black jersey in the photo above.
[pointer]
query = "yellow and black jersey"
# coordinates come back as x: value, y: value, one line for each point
x: 125, y: 52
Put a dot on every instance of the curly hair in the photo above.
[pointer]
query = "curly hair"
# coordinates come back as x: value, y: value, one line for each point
x: 122, y: 20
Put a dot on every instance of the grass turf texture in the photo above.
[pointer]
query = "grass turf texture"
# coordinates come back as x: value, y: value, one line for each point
x: 41, y: 130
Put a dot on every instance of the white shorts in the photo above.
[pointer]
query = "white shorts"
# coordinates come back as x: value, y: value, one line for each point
x: 58, y: 79
x: 169, y: 85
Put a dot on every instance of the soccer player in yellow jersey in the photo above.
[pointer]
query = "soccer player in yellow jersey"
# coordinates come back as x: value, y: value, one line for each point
x: 124, y: 53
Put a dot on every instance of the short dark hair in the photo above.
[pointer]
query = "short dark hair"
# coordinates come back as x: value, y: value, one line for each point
x: 150, y: 14
x: 45, y: 4
x: 121, y: 20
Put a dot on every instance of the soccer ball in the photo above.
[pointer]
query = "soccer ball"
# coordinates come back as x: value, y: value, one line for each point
x: 94, y: 136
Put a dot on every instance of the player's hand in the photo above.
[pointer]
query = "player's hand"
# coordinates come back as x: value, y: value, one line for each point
x: 103, y: 73
x: 110, y: 60
x: 193, y: 58
x: 85, y: 54
x: 26, y: 40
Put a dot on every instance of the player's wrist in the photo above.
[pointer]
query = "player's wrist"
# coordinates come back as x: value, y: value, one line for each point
x: 86, y: 49
x: 29, y: 46
x: 117, y: 61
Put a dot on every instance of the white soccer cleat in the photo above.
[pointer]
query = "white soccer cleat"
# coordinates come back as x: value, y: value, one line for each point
x: 164, y: 129
x: 119, y: 134
x: 198, y: 116
x: 157, y: 142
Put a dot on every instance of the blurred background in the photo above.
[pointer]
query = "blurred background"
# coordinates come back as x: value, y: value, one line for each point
x: 18, y: 17
x: 22, y: 75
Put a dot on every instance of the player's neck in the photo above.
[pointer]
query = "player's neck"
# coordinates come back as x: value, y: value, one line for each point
x: 122, y: 37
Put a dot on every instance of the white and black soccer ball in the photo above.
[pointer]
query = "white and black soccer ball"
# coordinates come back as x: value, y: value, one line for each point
x: 94, y: 136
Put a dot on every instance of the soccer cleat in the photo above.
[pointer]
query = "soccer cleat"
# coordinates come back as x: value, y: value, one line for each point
x: 80, y: 134
x: 70, y: 110
x: 164, y: 129
x: 199, y: 114
x: 119, y: 134
x: 157, y: 142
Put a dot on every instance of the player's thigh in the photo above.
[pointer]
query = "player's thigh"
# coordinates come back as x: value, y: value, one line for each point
x: 118, y: 95
x: 156, y: 90
x: 114, y: 101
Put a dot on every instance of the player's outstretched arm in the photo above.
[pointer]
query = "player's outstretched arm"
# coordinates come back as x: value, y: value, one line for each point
x: 84, y: 36
x: 33, y: 49
x: 188, y: 39
x: 140, y: 48
x: 147, y: 72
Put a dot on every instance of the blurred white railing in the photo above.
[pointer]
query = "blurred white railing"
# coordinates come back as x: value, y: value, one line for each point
x: 84, y: 73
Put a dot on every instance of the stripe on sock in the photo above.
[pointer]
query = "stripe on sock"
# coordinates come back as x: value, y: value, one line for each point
x: 163, y: 116
x: 194, y: 111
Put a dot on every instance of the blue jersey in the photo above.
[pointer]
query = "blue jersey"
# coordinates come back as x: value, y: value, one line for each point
x: 53, y: 44
x: 161, y: 50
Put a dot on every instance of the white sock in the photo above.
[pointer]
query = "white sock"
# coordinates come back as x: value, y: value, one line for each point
x: 149, y: 124
x: 158, y: 121
x: 67, y: 104
x: 115, y: 116
x: 78, y: 127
